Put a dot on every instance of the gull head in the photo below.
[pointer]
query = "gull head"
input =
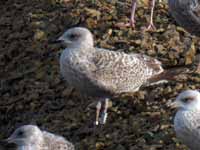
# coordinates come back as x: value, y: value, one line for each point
x: 26, y: 135
x: 77, y: 37
x: 187, y: 100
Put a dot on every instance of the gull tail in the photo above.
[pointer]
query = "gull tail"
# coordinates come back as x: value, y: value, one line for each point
x: 172, y: 74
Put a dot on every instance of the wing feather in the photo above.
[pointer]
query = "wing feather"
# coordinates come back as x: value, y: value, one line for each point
x: 55, y: 142
x: 122, y: 72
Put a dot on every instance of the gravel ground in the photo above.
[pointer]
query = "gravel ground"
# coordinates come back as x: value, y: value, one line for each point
x: 33, y: 92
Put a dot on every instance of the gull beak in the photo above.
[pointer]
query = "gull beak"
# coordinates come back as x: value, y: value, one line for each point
x: 63, y: 40
x: 174, y: 104
x: 9, y: 140
x: 56, y: 41
x: 60, y: 39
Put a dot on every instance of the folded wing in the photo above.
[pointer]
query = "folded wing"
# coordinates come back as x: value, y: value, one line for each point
x: 119, y: 72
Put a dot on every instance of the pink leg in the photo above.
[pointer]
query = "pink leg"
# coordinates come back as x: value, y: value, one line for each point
x: 132, y: 19
x: 151, y: 24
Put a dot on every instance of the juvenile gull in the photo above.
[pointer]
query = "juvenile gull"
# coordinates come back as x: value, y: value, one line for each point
x: 101, y: 73
x: 30, y: 137
x: 187, y: 119
x: 132, y: 18
x: 187, y: 14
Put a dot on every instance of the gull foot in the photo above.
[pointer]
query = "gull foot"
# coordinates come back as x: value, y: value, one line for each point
x: 151, y: 27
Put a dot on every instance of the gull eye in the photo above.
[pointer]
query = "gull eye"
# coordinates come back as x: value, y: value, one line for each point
x: 20, y: 133
x: 188, y: 99
x: 73, y: 36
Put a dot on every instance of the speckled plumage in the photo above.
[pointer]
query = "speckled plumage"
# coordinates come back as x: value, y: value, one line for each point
x: 187, y: 14
x: 56, y: 142
x: 101, y: 73
x: 30, y: 137
x: 187, y: 119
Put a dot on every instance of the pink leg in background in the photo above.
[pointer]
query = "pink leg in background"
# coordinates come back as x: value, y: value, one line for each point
x: 132, y: 18
x: 151, y: 24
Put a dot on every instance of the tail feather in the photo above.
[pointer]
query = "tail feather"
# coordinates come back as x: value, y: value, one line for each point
x: 172, y: 74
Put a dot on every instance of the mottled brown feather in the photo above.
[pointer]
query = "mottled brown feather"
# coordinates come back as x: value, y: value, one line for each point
x: 122, y: 72
x: 54, y: 142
